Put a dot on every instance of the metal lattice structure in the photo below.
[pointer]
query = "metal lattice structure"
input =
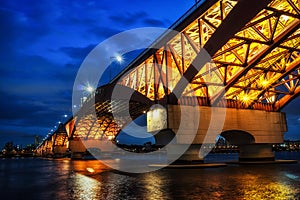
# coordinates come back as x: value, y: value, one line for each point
x: 96, y: 119
x: 257, y: 67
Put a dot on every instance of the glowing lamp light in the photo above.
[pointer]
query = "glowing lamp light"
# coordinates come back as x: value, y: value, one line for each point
x: 119, y: 58
x: 264, y: 83
x: 89, y: 89
x: 89, y: 169
x: 110, y: 137
x: 245, y: 98
x: 65, y: 116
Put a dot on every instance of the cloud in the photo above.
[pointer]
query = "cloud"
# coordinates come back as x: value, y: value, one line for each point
x: 154, y: 22
x: 23, y: 23
x: 24, y: 110
x: 137, y: 18
x: 33, y: 76
x: 128, y: 18
x: 104, y: 32
x: 22, y: 116
x: 78, y: 53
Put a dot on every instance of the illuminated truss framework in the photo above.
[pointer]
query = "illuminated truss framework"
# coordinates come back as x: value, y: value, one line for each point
x: 46, y: 148
x: 257, y: 68
x: 90, y: 128
x: 97, y: 121
x: 59, y: 139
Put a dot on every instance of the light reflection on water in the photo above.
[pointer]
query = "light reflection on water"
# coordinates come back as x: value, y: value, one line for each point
x: 83, y: 187
x: 66, y: 179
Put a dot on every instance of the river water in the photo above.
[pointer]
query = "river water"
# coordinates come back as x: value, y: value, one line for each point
x: 36, y: 178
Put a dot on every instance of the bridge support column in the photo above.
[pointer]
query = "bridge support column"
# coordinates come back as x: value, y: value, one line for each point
x: 77, y: 148
x: 256, y: 152
x: 59, y: 151
x: 191, y: 155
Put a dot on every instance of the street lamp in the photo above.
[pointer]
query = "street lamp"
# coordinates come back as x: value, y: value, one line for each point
x: 89, y: 89
x: 119, y: 58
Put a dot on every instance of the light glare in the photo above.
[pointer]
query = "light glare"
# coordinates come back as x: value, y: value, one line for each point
x: 89, y: 89
x: 119, y: 58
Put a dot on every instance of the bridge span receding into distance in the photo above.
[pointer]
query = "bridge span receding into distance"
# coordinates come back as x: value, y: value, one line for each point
x: 231, y: 63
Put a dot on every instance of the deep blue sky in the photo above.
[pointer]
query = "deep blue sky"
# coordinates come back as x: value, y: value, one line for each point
x: 43, y: 44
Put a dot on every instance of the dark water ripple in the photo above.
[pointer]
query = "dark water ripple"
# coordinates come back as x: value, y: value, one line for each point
x: 65, y: 179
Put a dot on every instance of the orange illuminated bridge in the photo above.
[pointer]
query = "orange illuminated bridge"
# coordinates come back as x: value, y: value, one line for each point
x: 235, y: 55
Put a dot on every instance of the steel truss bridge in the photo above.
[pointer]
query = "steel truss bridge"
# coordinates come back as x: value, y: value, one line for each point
x: 254, y: 64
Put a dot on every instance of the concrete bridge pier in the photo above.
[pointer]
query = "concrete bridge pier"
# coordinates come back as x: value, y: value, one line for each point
x: 77, y: 148
x: 256, y: 152
x: 82, y: 147
x: 174, y: 149
x: 249, y: 152
x: 59, y: 151
x: 191, y: 155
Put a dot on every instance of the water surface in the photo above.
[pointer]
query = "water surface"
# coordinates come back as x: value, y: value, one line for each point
x: 35, y: 178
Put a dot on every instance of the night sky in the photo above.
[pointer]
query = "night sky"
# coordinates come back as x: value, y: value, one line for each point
x: 43, y: 44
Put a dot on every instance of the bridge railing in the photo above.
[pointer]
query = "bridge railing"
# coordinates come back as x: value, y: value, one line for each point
x: 225, y: 103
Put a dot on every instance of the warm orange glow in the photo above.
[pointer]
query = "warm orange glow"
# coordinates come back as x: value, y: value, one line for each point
x: 245, y: 98
x: 263, y: 83
x: 110, y: 137
x: 89, y: 169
